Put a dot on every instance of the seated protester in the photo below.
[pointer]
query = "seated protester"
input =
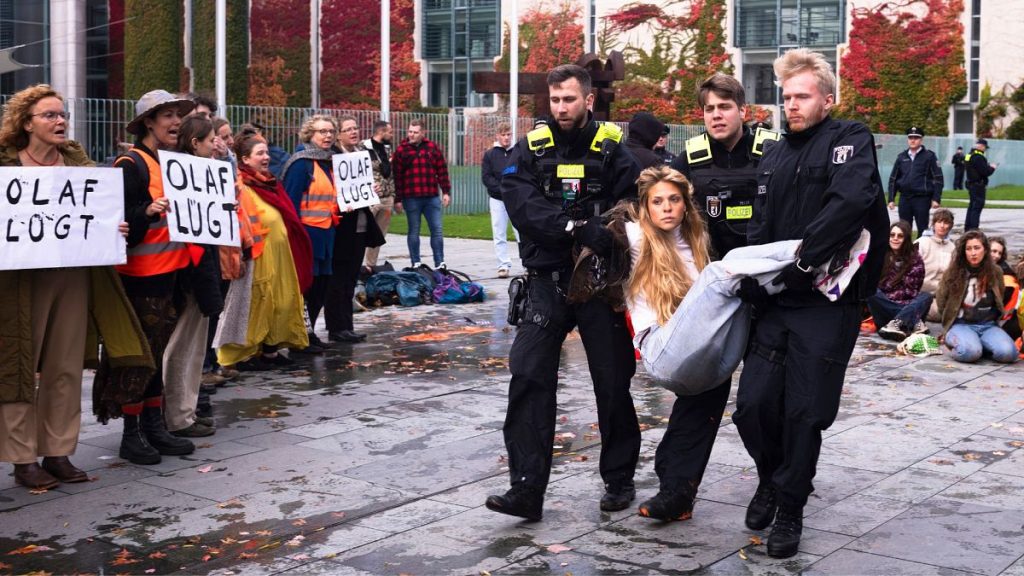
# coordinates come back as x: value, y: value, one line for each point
x: 997, y: 248
x: 970, y: 300
x: 936, y: 249
x: 899, y: 303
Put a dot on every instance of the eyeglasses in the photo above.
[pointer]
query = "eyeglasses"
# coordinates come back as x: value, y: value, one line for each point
x: 326, y: 132
x: 51, y: 116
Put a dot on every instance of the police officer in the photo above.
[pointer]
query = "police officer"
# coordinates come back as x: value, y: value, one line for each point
x: 560, y: 176
x: 819, y: 184
x: 978, y: 170
x: 958, y: 168
x: 722, y: 166
x: 917, y: 177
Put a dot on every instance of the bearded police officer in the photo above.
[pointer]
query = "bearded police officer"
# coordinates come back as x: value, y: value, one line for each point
x: 721, y: 164
x: 819, y: 184
x: 917, y: 176
x: 559, y: 177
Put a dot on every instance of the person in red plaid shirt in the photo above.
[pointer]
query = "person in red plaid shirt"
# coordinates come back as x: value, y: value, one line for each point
x: 420, y: 169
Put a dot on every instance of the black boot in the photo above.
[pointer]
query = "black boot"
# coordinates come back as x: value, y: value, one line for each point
x: 156, y: 432
x: 521, y: 500
x: 617, y: 496
x: 669, y: 505
x: 761, y: 510
x: 134, y: 446
x: 784, y: 539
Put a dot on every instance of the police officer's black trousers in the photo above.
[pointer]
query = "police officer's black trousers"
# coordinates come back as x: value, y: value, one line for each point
x: 685, y: 449
x: 790, y: 389
x: 534, y: 358
x: 976, y: 195
x: 914, y: 209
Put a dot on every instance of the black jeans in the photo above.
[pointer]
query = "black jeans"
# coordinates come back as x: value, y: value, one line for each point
x: 533, y: 360
x: 349, y: 248
x: 685, y: 449
x: 790, y: 390
x: 976, y: 194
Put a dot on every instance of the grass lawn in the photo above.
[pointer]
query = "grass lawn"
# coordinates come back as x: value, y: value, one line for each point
x: 477, y: 226
x: 1004, y: 192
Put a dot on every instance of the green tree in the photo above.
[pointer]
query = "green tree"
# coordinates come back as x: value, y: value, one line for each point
x: 152, y: 46
x: 204, y: 43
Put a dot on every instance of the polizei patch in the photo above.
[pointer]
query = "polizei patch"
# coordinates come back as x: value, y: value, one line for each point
x: 840, y: 154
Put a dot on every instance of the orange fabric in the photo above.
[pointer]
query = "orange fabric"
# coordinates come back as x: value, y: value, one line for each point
x: 250, y: 212
x: 1010, y: 302
x: 319, y: 205
x: 156, y: 254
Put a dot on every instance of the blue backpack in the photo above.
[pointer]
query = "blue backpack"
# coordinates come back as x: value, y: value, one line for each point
x: 405, y: 288
x: 451, y: 287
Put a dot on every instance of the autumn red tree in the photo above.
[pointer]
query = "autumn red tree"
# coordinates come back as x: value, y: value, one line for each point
x: 687, y: 40
x: 904, y: 65
x: 351, y: 55
x: 279, y: 62
x: 546, y: 39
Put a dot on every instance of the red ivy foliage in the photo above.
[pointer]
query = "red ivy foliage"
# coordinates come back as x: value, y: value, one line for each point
x: 903, y: 68
x: 279, y: 30
x: 689, y: 38
x: 350, y: 77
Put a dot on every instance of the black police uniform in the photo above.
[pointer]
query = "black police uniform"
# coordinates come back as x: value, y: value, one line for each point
x: 548, y: 178
x: 725, y: 185
x: 919, y: 183
x: 978, y: 170
x: 821, y: 186
x: 958, y: 170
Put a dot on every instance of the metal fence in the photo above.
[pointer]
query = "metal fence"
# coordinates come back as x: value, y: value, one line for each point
x: 99, y: 125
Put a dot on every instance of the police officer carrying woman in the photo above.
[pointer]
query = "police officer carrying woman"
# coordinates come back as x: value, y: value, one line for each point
x: 558, y: 178
x: 150, y: 275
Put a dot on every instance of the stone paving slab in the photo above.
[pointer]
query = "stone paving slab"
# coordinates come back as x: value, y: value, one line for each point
x: 376, y: 459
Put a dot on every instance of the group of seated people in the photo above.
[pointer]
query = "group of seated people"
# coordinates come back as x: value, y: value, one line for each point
x: 966, y: 285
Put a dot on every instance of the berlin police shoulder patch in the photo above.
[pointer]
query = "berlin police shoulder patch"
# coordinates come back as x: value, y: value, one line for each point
x: 510, y: 169
x: 840, y: 154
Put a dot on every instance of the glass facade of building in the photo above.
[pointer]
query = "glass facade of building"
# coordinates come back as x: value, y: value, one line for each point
x: 459, y: 37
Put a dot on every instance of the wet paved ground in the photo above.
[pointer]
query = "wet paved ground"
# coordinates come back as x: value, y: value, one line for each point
x: 376, y: 459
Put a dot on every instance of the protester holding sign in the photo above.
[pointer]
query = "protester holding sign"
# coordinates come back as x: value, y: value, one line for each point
x: 151, y: 273
x: 197, y: 297
x: 280, y: 271
x: 353, y: 178
x: 51, y: 339
x: 307, y: 180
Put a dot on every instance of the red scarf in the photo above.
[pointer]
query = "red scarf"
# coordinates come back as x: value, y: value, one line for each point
x: 271, y: 192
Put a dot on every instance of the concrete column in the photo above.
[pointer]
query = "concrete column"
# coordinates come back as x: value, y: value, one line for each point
x: 67, y: 47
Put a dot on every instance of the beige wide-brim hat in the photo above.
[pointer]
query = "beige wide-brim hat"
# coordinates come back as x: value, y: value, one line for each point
x: 151, y: 102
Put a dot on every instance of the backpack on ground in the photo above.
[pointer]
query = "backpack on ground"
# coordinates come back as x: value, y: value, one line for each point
x: 453, y: 287
x: 405, y: 288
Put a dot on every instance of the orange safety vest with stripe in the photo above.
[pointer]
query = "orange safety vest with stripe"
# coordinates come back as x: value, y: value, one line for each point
x: 252, y: 215
x: 318, y: 207
x: 1011, y: 300
x: 156, y: 254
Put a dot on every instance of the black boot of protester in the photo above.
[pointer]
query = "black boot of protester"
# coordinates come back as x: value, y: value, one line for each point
x: 135, y: 447
x: 156, y: 433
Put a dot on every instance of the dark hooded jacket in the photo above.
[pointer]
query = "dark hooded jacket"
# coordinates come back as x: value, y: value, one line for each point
x: 644, y: 131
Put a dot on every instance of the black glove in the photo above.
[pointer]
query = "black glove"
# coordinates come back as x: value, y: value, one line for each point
x: 795, y: 279
x: 595, y: 236
x: 751, y: 292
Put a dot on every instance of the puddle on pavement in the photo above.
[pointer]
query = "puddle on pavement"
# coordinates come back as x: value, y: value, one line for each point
x: 231, y: 410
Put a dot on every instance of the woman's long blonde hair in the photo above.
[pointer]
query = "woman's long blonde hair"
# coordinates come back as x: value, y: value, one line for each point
x: 658, y: 272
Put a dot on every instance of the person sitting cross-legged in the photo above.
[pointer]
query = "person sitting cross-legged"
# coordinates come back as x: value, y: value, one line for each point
x: 899, y: 304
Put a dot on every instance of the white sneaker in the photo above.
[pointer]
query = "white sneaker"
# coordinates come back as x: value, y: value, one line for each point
x: 441, y: 266
x: 920, y: 328
x: 893, y: 331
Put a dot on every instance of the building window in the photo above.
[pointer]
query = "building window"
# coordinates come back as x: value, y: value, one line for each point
x: 974, y: 70
x: 25, y: 22
x: 789, y: 23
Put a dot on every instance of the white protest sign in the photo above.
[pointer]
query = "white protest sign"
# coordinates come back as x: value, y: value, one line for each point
x: 353, y: 179
x: 202, y: 199
x: 61, y: 217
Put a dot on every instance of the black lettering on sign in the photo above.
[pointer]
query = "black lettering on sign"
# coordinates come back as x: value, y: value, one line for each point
x: 195, y: 224
x: 67, y: 192
x: 230, y: 217
x: 174, y: 168
x: 214, y: 224
x: 62, y: 232
x: 35, y: 233
x: 223, y: 179
x: 14, y: 192
x: 86, y: 218
x: 11, y: 237
x: 177, y: 219
x: 89, y: 187
x: 36, y: 200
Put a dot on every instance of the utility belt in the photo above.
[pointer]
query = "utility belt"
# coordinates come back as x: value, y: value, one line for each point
x: 547, y: 307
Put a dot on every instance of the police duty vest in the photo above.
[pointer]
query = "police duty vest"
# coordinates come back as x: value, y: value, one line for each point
x: 577, y: 183
x: 156, y: 254
x: 972, y: 176
x: 725, y: 195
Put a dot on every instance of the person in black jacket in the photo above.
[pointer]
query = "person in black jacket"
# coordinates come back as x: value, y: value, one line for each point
x: 494, y: 163
x: 978, y: 170
x: 644, y: 132
x: 917, y: 177
x: 958, y: 168
x: 559, y: 178
x: 819, y: 184
x: 661, y: 147
x: 721, y: 164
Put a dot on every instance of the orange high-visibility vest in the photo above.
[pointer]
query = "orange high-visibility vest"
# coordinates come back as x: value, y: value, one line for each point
x: 319, y: 205
x: 248, y: 210
x: 156, y: 254
x: 1011, y: 297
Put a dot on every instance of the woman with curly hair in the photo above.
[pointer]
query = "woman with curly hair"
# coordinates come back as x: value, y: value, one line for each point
x: 45, y: 320
x: 970, y: 300
x: 899, y: 304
